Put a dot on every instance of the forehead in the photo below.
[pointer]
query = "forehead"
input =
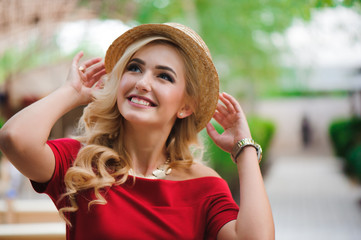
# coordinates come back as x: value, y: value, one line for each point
x: 161, y: 52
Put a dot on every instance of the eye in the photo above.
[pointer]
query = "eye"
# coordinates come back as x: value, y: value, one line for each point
x: 166, y: 76
x: 134, y: 68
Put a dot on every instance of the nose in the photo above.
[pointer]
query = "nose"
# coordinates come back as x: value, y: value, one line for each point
x: 144, y: 83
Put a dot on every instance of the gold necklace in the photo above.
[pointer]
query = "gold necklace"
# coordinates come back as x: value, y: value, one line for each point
x: 160, y: 173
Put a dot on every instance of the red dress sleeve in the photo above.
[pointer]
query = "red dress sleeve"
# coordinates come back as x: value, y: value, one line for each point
x: 221, y: 208
x: 65, y: 151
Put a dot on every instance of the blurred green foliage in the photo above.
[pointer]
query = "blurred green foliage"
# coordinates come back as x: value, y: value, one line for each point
x: 353, y: 160
x: 279, y: 92
x: 345, y: 135
x: 14, y: 59
x: 239, y: 33
x: 346, y: 139
x: 262, y: 131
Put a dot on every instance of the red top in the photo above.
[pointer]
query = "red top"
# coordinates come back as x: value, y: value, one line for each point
x: 149, y: 209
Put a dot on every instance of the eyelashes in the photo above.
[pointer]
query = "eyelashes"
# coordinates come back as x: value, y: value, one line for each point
x: 136, y: 68
x: 166, y: 77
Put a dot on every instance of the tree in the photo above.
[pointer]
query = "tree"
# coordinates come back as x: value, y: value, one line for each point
x: 238, y: 32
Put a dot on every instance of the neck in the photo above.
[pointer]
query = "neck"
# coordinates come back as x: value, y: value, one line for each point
x: 146, y: 147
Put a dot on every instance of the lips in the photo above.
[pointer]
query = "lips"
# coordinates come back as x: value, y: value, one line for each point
x: 140, y: 100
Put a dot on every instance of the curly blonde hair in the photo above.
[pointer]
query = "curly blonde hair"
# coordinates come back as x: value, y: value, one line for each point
x: 103, y: 161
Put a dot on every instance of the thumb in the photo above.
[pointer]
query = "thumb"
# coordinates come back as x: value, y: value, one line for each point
x: 76, y: 58
x: 212, y: 132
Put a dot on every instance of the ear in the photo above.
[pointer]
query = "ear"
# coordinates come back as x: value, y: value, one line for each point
x: 185, y: 111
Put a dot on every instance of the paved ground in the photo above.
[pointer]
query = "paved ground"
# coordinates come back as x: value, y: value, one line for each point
x: 313, y: 200
x: 310, y: 196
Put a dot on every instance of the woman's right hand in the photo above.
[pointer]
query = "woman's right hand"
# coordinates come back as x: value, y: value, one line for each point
x: 23, y: 139
x: 86, y: 78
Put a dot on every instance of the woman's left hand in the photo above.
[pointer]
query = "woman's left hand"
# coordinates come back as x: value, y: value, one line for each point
x: 233, y: 120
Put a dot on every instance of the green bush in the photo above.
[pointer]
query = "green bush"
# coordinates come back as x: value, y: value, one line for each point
x: 262, y: 131
x: 217, y: 158
x: 346, y: 139
x: 345, y: 135
x: 353, y: 160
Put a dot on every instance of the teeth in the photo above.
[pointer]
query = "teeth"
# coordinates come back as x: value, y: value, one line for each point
x: 140, y: 101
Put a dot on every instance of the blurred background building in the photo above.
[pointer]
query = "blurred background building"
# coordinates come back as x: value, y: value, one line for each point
x: 295, y: 67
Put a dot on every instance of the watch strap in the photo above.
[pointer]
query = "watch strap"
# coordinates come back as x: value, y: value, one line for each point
x: 240, y: 145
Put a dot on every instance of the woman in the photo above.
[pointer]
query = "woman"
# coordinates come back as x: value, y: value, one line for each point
x: 132, y: 173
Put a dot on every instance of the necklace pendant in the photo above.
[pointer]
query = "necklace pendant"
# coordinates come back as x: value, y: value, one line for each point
x: 159, y: 174
x: 168, y: 171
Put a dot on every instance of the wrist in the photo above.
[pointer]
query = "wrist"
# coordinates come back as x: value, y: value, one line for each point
x: 246, y: 154
x: 243, y: 144
x: 74, y: 97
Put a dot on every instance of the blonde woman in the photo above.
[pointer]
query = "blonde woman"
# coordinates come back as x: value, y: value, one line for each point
x: 132, y: 174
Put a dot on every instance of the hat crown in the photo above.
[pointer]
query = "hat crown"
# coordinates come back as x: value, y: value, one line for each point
x: 191, y: 33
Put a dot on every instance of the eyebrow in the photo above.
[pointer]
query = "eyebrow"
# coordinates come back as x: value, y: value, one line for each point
x: 140, y: 61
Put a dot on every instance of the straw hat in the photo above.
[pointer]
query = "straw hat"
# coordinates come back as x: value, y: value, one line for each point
x: 193, y: 45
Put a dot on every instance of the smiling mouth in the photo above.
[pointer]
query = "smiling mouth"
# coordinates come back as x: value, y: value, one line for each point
x: 141, y: 101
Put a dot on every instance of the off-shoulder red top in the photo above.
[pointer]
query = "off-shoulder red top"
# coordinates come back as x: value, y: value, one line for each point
x: 148, y: 209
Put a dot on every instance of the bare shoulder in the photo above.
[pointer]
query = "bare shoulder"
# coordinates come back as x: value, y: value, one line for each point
x: 196, y: 170
x: 201, y: 170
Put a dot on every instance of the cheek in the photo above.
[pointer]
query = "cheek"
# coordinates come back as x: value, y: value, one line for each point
x: 123, y: 86
x: 121, y: 90
x: 122, y: 83
x: 175, y: 97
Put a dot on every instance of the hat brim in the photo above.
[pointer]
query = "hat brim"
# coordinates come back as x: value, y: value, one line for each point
x: 192, y: 45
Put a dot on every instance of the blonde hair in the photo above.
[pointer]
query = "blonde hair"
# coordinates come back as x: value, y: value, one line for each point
x: 103, y: 161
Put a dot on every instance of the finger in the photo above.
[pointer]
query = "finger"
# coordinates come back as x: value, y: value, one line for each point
x: 94, y: 74
x: 94, y: 69
x: 83, y: 68
x: 223, y: 114
x: 236, y: 105
x: 229, y: 105
x: 91, y: 62
x: 77, y: 58
x: 232, y: 101
x: 97, y: 77
x: 212, y: 132
x: 219, y: 119
x: 220, y: 108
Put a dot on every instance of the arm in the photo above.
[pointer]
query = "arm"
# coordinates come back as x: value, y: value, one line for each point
x: 23, y: 137
x: 254, y: 219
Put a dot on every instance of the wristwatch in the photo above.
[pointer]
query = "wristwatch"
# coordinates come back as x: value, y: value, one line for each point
x: 238, y: 147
